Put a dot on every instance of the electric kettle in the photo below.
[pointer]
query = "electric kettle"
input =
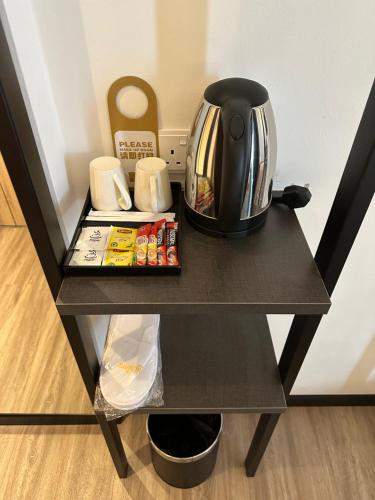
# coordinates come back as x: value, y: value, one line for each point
x: 231, y: 159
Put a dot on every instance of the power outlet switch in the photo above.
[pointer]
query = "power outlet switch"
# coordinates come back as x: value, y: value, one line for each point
x: 172, y: 146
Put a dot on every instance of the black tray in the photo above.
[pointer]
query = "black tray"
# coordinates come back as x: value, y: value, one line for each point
x: 123, y: 270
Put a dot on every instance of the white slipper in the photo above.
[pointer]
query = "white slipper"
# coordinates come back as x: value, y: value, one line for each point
x: 130, y: 360
x: 132, y: 396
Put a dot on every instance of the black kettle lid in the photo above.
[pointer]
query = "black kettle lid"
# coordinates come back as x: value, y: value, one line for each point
x: 219, y: 92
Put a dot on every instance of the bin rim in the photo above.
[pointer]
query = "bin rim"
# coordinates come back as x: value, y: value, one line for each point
x: 184, y: 460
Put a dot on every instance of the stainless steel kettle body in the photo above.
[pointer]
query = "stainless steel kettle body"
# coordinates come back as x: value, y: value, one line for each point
x: 231, y: 159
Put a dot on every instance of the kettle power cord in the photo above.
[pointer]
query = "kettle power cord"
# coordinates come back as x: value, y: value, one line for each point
x: 292, y: 196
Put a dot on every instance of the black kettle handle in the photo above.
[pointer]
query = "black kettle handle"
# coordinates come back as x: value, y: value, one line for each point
x: 235, y: 121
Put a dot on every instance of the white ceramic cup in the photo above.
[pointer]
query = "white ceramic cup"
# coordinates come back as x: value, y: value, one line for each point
x: 152, y: 189
x: 108, y: 186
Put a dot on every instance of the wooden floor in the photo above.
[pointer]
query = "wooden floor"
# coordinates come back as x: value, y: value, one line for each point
x: 315, y: 453
x: 37, y: 367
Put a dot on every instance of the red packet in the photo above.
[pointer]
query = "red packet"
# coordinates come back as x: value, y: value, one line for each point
x: 172, y: 256
x: 161, y: 242
x: 141, y: 245
x: 152, y: 256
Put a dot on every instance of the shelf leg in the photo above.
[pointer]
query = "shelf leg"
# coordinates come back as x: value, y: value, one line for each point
x: 114, y: 443
x: 81, y: 343
x: 266, y: 425
x: 83, y: 350
x: 297, y: 344
x: 300, y: 336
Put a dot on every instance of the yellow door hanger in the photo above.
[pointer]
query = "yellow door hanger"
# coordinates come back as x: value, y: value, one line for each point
x: 133, y: 138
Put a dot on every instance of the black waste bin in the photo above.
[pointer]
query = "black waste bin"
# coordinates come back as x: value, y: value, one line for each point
x: 184, y: 447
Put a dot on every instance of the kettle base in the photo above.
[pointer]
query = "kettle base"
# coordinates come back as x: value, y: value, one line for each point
x: 209, y: 225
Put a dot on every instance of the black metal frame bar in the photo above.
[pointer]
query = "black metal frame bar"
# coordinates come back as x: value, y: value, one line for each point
x: 349, y: 208
x: 91, y: 419
x: 263, y: 432
x: 47, y: 419
x: 113, y: 439
x: 331, y: 400
x: 83, y: 350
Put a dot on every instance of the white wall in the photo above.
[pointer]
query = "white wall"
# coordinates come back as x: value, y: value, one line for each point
x: 315, y: 57
x: 22, y: 35
x: 59, y: 115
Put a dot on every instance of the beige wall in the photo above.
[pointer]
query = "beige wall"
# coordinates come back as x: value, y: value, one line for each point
x: 315, y: 57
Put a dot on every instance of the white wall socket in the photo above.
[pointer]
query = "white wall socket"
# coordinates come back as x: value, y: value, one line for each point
x: 172, y: 147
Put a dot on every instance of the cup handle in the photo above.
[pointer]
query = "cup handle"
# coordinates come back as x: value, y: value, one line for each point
x: 154, y: 194
x: 124, y: 200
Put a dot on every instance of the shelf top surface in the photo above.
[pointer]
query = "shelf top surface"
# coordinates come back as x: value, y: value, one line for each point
x: 218, y: 363
x: 269, y: 271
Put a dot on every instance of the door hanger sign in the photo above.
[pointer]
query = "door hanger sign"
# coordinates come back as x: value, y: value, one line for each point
x: 133, y: 138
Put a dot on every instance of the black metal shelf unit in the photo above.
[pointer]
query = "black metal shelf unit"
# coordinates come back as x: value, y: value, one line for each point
x: 217, y: 351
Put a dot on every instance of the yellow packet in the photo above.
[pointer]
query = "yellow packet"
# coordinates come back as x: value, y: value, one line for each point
x: 118, y: 258
x: 122, y: 238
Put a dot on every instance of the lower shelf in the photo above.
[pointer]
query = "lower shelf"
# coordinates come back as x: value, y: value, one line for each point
x: 218, y: 363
